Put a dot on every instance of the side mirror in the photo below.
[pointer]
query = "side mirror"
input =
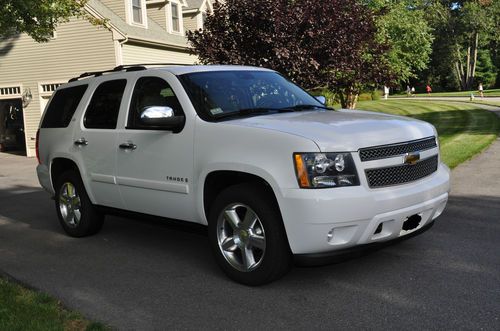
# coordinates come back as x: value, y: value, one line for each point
x: 321, y: 99
x: 161, y: 118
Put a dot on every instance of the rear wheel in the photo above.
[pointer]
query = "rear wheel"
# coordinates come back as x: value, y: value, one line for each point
x: 77, y: 215
x: 247, y: 235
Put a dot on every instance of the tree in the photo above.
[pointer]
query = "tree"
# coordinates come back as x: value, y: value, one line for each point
x: 37, y: 18
x: 318, y: 44
x: 462, y: 29
x: 486, y: 72
x: 404, y: 28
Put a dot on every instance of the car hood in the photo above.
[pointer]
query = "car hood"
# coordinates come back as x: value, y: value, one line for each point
x: 343, y: 130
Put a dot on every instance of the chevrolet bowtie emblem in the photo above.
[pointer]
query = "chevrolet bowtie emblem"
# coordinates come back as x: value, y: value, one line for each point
x: 412, y: 158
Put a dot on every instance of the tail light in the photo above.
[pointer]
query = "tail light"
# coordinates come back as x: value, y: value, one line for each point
x: 37, y: 146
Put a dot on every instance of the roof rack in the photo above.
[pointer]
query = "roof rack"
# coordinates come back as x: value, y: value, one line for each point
x: 115, y: 69
x: 123, y: 67
x: 156, y: 64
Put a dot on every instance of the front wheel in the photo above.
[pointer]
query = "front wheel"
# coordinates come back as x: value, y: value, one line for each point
x: 76, y: 213
x: 247, y: 235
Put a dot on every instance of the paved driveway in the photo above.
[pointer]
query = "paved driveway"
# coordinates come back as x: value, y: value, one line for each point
x: 143, y: 275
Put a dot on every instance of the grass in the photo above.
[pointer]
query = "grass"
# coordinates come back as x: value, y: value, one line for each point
x: 487, y: 93
x: 464, y: 130
x: 23, y: 309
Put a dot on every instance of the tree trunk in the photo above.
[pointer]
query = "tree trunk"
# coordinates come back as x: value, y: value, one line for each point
x: 460, y: 69
x: 467, y: 75
x: 473, y: 61
x: 348, y: 97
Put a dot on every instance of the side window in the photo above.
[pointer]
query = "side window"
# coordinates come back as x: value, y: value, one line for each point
x: 151, y: 91
x: 102, y: 112
x: 62, y: 106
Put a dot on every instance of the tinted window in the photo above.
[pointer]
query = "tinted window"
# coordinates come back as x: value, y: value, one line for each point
x: 62, y: 106
x: 151, y: 91
x: 102, y: 112
x: 219, y: 93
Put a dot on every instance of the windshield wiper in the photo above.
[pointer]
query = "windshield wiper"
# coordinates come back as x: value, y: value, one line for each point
x: 306, y: 107
x: 253, y: 111
x: 266, y: 110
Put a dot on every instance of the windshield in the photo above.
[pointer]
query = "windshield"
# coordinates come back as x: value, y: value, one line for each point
x: 222, y: 94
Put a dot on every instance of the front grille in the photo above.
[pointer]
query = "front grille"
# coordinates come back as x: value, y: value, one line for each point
x: 401, y: 174
x: 386, y: 151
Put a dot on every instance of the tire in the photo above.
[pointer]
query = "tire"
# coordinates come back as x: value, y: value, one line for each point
x: 247, y: 236
x: 76, y: 213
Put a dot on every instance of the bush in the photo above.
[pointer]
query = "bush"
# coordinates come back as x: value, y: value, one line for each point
x: 331, y: 97
x: 370, y: 95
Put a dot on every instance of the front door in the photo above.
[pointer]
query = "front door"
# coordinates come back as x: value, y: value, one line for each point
x: 155, y: 167
x: 95, y: 142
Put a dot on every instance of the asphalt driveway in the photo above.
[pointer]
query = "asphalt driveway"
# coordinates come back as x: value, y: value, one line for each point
x: 147, y: 275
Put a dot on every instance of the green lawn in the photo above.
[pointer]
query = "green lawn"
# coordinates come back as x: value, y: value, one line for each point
x: 464, y: 129
x: 487, y: 93
x: 23, y: 309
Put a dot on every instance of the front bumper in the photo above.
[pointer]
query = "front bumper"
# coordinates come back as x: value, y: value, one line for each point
x: 327, y: 220
x: 336, y: 256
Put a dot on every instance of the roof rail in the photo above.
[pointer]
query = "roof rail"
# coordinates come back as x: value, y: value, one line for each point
x: 125, y: 67
x: 115, y: 69
x: 156, y: 64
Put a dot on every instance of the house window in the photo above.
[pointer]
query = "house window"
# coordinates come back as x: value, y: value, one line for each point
x: 137, y: 11
x: 10, y: 91
x: 175, y: 18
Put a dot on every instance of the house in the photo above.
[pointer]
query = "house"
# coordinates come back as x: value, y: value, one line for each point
x: 135, y: 31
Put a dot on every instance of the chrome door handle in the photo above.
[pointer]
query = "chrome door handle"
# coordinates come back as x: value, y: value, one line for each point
x: 81, y: 142
x: 128, y: 145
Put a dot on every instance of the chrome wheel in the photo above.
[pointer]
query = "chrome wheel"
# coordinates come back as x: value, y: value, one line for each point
x: 241, y: 237
x: 69, y: 205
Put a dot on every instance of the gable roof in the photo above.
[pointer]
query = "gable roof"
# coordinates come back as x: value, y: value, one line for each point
x: 153, y: 34
x: 197, y: 4
x: 194, y: 4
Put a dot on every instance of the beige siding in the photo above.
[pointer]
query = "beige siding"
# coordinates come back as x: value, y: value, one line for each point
x: 190, y: 22
x: 117, y: 6
x: 134, y: 53
x: 78, y: 47
x: 157, y: 13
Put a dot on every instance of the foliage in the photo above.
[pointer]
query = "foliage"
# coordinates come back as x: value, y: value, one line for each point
x: 404, y: 28
x: 486, y: 72
x: 318, y: 44
x: 462, y: 30
x: 37, y: 18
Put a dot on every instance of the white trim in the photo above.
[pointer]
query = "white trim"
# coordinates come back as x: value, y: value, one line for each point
x: 11, y: 91
x: 180, y: 17
x: 130, y: 17
x: 47, y: 88
x: 46, y: 93
x: 205, y: 7
x: 118, y: 52
x: 154, y: 2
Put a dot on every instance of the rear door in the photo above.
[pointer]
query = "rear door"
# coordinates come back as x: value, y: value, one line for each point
x: 94, y: 142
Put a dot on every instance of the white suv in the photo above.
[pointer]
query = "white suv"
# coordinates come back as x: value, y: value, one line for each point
x: 273, y: 172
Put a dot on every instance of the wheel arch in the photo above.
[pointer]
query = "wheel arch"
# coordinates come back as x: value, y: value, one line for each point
x: 61, y: 164
x: 218, y: 180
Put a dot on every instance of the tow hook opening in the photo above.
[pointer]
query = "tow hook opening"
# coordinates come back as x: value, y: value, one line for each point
x: 412, y: 222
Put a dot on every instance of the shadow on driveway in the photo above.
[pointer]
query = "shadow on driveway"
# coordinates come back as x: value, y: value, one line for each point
x: 139, y: 274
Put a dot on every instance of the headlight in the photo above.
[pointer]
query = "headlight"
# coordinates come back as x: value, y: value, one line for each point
x: 325, y: 170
